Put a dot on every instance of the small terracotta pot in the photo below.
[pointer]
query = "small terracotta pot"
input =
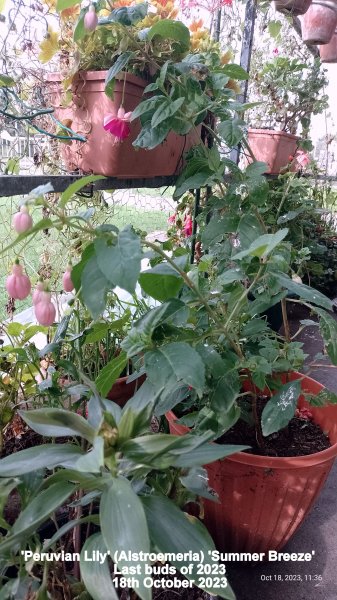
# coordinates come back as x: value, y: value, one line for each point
x: 100, y: 154
x: 122, y: 391
x: 292, y: 7
x: 264, y: 500
x: 328, y: 52
x: 319, y: 22
x: 272, y: 147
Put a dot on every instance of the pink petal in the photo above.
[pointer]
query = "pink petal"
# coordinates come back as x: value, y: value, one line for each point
x: 121, y: 112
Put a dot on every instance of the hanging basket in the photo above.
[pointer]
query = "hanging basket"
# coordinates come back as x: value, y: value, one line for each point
x: 328, y: 52
x: 292, y: 7
x: 319, y: 22
x: 276, y: 148
x: 101, y: 153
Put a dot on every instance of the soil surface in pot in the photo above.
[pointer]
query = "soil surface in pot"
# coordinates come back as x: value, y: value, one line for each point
x: 301, y: 437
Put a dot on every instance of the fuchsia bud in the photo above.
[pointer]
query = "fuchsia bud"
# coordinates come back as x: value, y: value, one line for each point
x: 22, y: 221
x: 90, y: 19
x: 45, y: 311
x: 18, y: 283
x: 68, y: 285
x: 37, y: 294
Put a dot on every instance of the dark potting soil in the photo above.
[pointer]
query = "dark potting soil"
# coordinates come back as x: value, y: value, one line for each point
x: 301, y: 437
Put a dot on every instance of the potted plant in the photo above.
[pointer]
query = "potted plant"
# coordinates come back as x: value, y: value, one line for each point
x: 328, y: 52
x: 118, y: 62
x: 292, y: 7
x: 319, y: 22
x: 290, y: 92
x: 110, y: 466
x: 207, y: 348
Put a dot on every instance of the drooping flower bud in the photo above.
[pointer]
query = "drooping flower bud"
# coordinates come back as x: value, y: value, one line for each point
x: 90, y: 19
x: 45, y: 311
x: 18, y: 283
x: 37, y: 294
x: 68, y: 285
x: 22, y: 221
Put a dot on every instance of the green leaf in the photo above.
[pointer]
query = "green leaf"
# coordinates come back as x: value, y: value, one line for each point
x: 63, y: 4
x: 303, y: 291
x: 96, y: 577
x: 171, y: 30
x: 281, y: 408
x: 6, y: 81
x: 162, y: 282
x: 147, y: 106
x: 218, y: 227
x: 166, y: 110
x: 80, y: 31
x: 235, y: 72
x: 92, y: 461
x: 109, y: 374
x: 95, y: 287
x: 196, y: 181
x: 14, y: 329
x: 255, y: 169
x: 75, y: 187
x: 128, y: 15
x: 116, y: 68
x: 232, y: 131
x: 175, y: 362
x: 328, y: 329
x: 263, y: 245
x: 124, y: 527
x: 120, y: 263
x: 274, y: 28
x: 173, y: 531
x: 150, y: 137
x: 57, y: 422
x: 39, y: 457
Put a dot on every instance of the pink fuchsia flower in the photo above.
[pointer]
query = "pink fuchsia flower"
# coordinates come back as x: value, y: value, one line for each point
x: 302, y: 158
x: 188, y: 226
x: 172, y: 219
x: 118, y: 124
x: 275, y: 51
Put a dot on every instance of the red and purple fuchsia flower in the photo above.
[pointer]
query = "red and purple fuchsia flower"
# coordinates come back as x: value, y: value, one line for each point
x: 118, y: 124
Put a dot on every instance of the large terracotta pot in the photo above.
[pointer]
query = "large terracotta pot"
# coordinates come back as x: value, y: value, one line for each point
x: 264, y: 500
x: 292, y: 7
x: 272, y: 147
x: 319, y: 22
x: 101, y: 154
x: 328, y: 52
x: 122, y: 391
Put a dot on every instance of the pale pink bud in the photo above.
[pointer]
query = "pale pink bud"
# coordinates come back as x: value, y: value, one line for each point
x: 37, y: 294
x: 22, y: 221
x: 90, y: 19
x: 18, y: 283
x: 45, y: 310
x: 68, y: 285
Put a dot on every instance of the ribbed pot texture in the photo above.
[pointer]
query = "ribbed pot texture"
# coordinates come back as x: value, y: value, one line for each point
x: 328, y: 52
x: 100, y: 154
x: 264, y: 500
x: 319, y: 22
x: 292, y: 7
x: 272, y: 147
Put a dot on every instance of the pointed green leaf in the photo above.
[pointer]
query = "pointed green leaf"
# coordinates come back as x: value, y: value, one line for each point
x: 120, y: 263
x: 39, y: 457
x: 56, y: 422
x: 110, y: 373
x: 96, y: 576
x: 175, y: 362
x: 281, y: 408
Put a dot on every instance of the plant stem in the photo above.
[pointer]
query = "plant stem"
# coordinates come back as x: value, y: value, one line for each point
x: 285, y: 320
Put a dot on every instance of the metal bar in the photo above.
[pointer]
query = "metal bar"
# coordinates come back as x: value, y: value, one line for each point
x: 195, y: 224
x: 15, y: 185
x: 245, y: 58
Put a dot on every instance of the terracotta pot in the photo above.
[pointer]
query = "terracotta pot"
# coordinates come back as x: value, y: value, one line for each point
x: 272, y: 147
x: 263, y: 500
x: 292, y: 7
x: 328, y: 52
x: 101, y: 154
x: 122, y: 391
x: 319, y: 22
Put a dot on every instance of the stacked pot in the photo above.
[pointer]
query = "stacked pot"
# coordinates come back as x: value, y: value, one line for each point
x: 319, y: 26
x: 292, y: 7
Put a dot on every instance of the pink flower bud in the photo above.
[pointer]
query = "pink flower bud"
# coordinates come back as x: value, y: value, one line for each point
x: 90, y: 19
x: 45, y: 310
x: 22, y: 221
x: 37, y: 294
x: 18, y: 283
x: 68, y: 285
